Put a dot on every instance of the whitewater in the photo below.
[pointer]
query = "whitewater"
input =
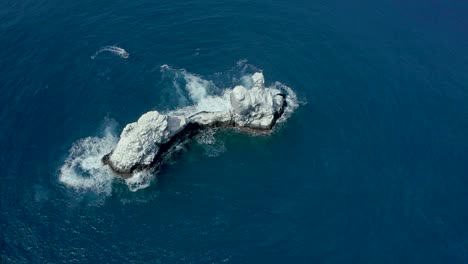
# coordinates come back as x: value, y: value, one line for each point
x: 83, y: 169
x: 113, y: 50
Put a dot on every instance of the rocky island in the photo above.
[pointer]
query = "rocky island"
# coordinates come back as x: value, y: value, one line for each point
x: 143, y: 144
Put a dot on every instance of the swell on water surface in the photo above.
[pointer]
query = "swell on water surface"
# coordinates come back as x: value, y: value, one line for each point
x: 83, y: 169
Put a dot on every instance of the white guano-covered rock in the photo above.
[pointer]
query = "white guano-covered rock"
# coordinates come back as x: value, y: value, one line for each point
x: 254, y: 108
x: 211, y: 119
x: 240, y: 100
x: 140, y: 141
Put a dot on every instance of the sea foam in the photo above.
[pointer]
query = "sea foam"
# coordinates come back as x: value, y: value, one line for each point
x: 113, y: 50
x: 83, y: 168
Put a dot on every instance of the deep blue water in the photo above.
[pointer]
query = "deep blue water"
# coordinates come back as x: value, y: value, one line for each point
x: 372, y: 169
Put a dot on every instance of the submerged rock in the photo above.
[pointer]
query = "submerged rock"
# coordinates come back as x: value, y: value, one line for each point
x: 143, y: 143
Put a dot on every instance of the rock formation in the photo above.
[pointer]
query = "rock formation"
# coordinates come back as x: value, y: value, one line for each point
x: 143, y: 143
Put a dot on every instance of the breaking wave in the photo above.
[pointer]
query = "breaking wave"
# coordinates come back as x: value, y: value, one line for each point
x: 112, y: 49
x: 83, y: 168
x: 140, y: 180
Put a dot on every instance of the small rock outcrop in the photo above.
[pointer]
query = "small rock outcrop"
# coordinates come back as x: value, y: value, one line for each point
x: 143, y: 143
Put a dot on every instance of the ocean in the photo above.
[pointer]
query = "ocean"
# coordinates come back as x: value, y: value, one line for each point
x: 370, y: 168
